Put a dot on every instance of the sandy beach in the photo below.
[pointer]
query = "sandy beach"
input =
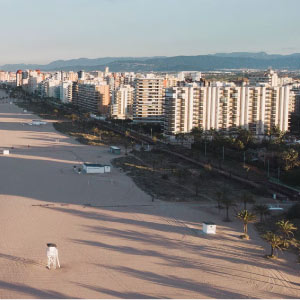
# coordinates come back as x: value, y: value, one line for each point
x: 113, y: 241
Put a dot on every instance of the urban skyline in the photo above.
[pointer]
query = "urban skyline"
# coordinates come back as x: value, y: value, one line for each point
x: 137, y: 174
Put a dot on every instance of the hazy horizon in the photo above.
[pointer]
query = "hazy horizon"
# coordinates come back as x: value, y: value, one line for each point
x: 38, y: 32
x: 75, y: 58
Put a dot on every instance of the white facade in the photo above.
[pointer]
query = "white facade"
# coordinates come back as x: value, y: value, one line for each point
x: 224, y: 108
x: 122, y: 101
x: 65, y: 91
x: 209, y: 228
x: 96, y: 168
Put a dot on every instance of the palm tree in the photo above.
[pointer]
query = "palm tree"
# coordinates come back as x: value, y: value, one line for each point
x: 286, y: 229
x: 227, y: 202
x: 262, y: 210
x: 247, y: 198
x: 74, y: 118
x: 275, y: 242
x: 219, y: 196
x: 246, y: 217
x: 95, y: 130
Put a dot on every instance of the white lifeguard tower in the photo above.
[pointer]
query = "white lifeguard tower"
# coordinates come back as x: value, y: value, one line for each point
x: 52, y: 255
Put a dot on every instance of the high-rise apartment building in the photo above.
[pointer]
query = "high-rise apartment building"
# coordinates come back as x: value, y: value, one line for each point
x: 122, y: 101
x: 226, y: 108
x: 93, y: 98
x: 19, y: 79
x: 148, y: 100
x: 65, y: 91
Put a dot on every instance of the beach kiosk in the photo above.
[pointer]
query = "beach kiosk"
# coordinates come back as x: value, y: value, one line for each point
x: 107, y: 168
x: 93, y: 168
x: 115, y: 150
x: 96, y: 168
x: 5, y: 152
x: 209, y: 228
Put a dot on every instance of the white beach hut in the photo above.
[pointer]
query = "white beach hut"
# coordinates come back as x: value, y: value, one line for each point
x: 93, y: 168
x: 209, y: 227
x: 5, y: 152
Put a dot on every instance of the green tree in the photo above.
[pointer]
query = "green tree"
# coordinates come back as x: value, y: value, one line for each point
x: 219, y: 196
x: 197, y: 182
x: 289, y: 159
x: 95, y: 130
x: 228, y: 202
x: 275, y: 135
x: 74, y: 118
x: 262, y: 210
x: 197, y: 132
x: 247, y: 198
x: 239, y: 145
x: 245, y: 136
x: 275, y: 242
x: 246, y: 217
x: 286, y: 230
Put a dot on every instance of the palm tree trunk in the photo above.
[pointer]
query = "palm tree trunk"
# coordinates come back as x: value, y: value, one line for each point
x: 227, y: 213
x: 245, y: 229
x: 245, y: 205
x: 272, y: 251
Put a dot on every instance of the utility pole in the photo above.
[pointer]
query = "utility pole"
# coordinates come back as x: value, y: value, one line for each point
x: 223, y: 153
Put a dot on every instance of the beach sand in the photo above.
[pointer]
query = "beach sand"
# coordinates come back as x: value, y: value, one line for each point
x: 113, y: 241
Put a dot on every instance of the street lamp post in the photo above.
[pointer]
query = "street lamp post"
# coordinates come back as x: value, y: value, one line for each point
x: 223, y: 153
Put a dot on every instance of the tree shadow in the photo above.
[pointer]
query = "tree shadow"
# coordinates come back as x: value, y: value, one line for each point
x: 121, y: 295
x: 32, y: 292
x: 180, y: 283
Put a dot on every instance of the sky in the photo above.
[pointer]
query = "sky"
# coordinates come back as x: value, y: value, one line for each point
x: 40, y: 31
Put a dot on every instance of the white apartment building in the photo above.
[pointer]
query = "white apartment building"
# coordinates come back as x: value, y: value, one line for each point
x: 65, y: 91
x: 122, y: 101
x: 148, y: 100
x: 4, y: 76
x: 50, y: 88
x: 226, y: 108
x: 19, y: 78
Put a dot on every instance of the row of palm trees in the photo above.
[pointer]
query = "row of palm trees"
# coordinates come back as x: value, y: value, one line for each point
x: 282, y: 239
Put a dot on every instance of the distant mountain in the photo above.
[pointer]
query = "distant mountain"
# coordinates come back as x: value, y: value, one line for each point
x: 258, y: 55
x: 218, y: 61
x: 71, y: 63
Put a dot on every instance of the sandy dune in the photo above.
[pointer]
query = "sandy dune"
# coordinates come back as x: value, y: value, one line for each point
x: 127, y: 246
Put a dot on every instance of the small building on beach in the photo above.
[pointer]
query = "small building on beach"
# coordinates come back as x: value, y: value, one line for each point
x: 209, y: 228
x: 115, y: 150
x: 5, y: 152
x: 96, y: 168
